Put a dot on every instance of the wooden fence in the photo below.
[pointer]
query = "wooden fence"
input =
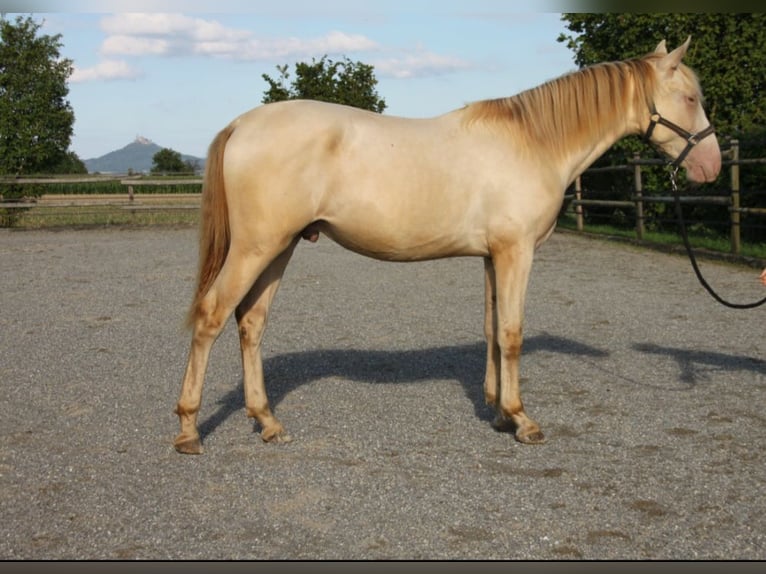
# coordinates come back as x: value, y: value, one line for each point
x: 102, y: 200
x: 638, y: 201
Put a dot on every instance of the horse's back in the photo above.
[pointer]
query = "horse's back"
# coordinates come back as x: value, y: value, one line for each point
x: 300, y: 136
x: 307, y: 125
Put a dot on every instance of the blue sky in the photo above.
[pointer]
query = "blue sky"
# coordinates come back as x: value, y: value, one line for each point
x: 178, y: 72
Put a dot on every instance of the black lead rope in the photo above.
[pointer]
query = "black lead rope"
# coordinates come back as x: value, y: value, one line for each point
x: 685, y: 236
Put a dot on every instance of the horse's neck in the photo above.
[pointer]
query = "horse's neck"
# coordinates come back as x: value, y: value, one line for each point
x: 583, y: 156
x: 598, y: 136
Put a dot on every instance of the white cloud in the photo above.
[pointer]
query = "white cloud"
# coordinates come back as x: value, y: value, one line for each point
x: 420, y: 64
x: 337, y: 42
x: 158, y: 24
x: 126, y: 45
x: 173, y: 35
x: 105, y: 70
x: 333, y: 43
x: 179, y: 35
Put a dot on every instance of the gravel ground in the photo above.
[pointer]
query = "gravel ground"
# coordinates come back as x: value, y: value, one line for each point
x: 650, y: 393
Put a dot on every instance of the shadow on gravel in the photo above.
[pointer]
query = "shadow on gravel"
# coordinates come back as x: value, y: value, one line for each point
x: 696, y: 365
x: 464, y: 363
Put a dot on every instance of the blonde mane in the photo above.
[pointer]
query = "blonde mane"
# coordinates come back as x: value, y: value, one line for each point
x: 556, y: 115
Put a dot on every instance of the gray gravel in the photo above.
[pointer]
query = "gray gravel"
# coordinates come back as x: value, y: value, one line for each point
x: 650, y: 393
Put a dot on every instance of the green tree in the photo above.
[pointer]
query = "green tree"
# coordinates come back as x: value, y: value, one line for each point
x: 67, y: 162
x: 168, y: 161
x: 36, y: 120
x: 344, y: 82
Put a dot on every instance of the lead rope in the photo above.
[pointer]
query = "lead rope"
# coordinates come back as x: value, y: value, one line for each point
x: 685, y: 236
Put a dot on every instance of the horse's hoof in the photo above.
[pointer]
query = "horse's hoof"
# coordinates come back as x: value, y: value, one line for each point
x: 534, y: 437
x: 280, y: 437
x: 188, y: 445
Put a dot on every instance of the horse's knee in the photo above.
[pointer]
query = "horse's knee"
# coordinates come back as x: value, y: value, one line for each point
x: 510, y: 340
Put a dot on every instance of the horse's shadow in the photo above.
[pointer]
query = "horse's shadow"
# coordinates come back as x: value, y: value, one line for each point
x: 695, y: 365
x: 464, y: 363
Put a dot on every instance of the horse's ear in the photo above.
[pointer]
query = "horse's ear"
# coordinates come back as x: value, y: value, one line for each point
x: 661, y: 48
x: 671, y: 61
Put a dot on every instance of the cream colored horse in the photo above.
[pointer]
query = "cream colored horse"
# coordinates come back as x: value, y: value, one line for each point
x: 485, y: 180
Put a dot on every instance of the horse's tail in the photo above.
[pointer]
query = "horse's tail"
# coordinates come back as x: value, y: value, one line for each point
x: 214, y: 223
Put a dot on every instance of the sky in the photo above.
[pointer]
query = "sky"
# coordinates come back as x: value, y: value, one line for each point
x: 177, y: 72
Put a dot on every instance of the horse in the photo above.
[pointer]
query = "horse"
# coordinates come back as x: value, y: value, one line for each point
x: 484, y: 180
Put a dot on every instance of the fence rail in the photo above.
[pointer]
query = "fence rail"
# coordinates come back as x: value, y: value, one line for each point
x: 57, y: 209
x: 638, y: 200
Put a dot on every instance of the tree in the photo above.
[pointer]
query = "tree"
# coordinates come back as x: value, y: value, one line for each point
x: 67, y: 162
x: 36, y: 120
x: 168, y: 161
x: 345, y: 82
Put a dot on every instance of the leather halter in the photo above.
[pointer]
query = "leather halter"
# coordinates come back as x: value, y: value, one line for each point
x: 691, y: 139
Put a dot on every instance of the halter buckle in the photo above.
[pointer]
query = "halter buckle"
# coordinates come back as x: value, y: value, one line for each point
x: 691, y: 139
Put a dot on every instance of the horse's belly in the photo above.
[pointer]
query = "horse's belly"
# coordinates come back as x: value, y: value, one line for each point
x: 389, y: 244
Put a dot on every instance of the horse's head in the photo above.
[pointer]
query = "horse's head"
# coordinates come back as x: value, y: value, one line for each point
x: 677, y: 124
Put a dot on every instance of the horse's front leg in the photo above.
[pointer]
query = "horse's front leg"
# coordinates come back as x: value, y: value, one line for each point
x: 512, y: 265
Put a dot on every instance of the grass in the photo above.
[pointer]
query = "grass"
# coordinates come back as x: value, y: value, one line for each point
x: 94, y: 216
x: 705, y: 242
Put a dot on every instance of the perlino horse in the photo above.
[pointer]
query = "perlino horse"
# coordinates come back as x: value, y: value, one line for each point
x: 486, y: 180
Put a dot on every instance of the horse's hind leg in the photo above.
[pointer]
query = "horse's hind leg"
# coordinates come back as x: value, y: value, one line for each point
x: 234, y: 281
x: 252, y: 314
x: 492, y: 374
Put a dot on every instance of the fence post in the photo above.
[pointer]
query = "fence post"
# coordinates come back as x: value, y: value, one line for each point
x: 578, y: 206
x: 736, y: 245
x: 639, y: 189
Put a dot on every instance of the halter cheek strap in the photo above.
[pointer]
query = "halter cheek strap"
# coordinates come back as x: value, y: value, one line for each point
x: 691, y: 139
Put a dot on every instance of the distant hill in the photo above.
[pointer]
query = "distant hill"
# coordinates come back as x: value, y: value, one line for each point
x: 136, y: 157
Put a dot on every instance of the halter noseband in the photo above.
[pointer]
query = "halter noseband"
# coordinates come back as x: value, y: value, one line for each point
x: 691, y: 139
